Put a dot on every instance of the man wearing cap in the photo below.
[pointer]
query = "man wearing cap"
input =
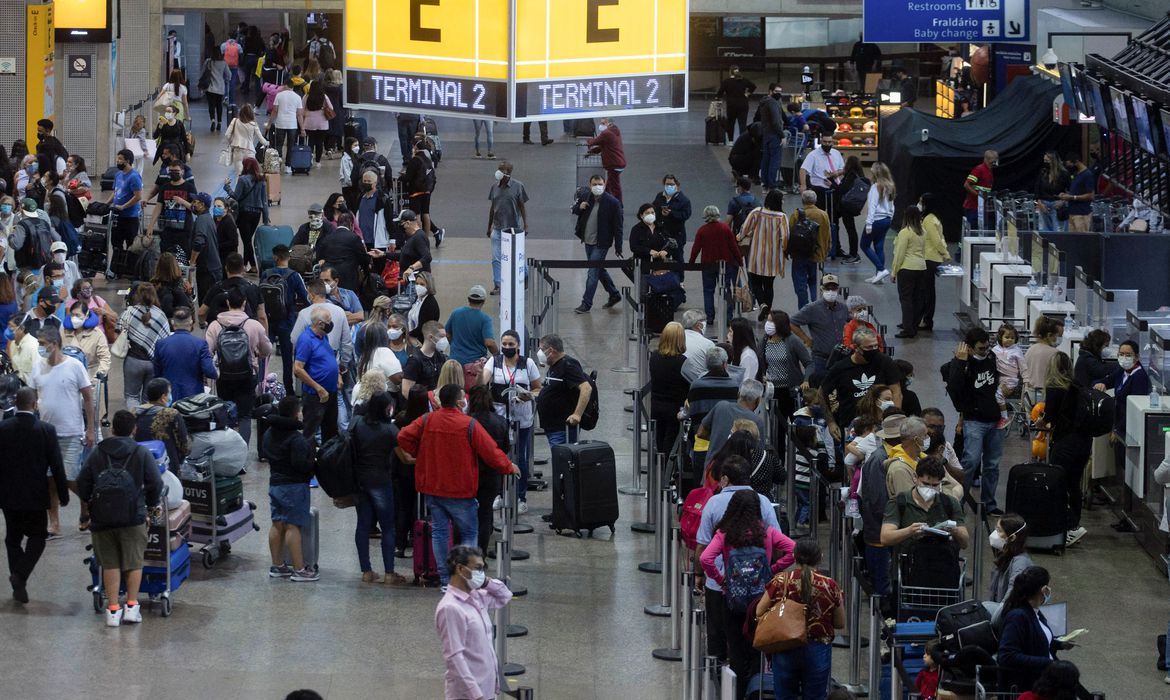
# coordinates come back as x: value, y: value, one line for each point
x: 599, y: 226
x: 872, y: 504
x: 415, y: 254
x: 53, y: 279
x: 205, y: 246
x: 71, y: 273
x: 316, y: 228
x: 44, y: 314
x: 825, y: 319
x: 345, y: 252
x: 851, y: 377
x: 507, y: 196
x: 469, y: 330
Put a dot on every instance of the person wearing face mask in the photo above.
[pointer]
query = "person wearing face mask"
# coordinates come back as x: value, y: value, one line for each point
x: 508, y: 198
x: 8, y: 221
x: 316, y: 365
x: 82, y: 330
x: 673, y: 209
x: 1080, y: 195
x: 936, y: 255
x: 21, y: 347
x: 371, y: 205
x: 170, y: 130
x: 374, y: 438
x: 736, y: 90
x: 126, y: 199
x: 599, y: 227
x: 608, y: 142
x: 909, y: 271
x: 565, y: 395
x: 205, y: 246
x: 297, y: 296
x: 337, y: 294
x: 235, y: 383
x: 345, y: 165
x: 1052, y: 180
x: 648, y: 243
x: 765, y: 233
x: 242, y: 135
x: 414, y: 254
x: 425, y: 307
x: 1130, y: 379
x: 1047, y: 332
x: 979, y: 183
x: 227, y: 233
x: 697, y: 345
x: 859, y: 317
x: 340, y: 339
x: 251, y: 192
x: 716, y: 243
x: 183, y: 359
x: 972, y: 383
x: 158, y: 421
x: 805, y: 263
x: 172, y: 214
x: 770, y: 115
x: 873, y: 405
x: 821, y: 171
x: 515, y: 383
x: 43, y: 313
x: 419, y: 182
x: 1027, y: 644
x: 825, y: 318
x: 1009, y: 546
x: 290, y: 462
x: 922, y: 503
x: 51, y: 153
x: 346, y: 253
x: 70, y: 272
x: 851, y: 377
x: 904, y: 458
x: 423, y: 367
x: 464, y: 627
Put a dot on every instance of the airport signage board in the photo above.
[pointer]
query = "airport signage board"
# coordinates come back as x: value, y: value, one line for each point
x: 916, y: 21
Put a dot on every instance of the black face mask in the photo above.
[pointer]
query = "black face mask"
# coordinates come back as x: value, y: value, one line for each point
x: 870, y: 355
x: 510, y: 352
x: 176, y: 177
x: 327, y: 327
x: 777, y: 96
x: 367, y: 187
x: 826, y: 148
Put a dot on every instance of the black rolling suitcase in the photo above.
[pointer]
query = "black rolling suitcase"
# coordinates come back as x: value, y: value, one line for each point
x: 716, y: 131
x: 659, y: 311
x: 1036, y: 492
x: 584, y: 487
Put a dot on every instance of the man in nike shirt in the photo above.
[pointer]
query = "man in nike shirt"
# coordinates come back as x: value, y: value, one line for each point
x: 849, y: 379
x: 971, y: 383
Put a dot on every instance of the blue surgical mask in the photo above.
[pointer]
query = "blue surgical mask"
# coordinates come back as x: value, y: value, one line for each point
x: 57, y: 284
x: 5, y: 209
x: 217, y: 211
x: 42, y: 351
x: 670, y: 190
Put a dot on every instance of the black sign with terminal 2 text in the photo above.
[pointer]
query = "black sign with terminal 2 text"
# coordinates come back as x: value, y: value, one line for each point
x: 418, y: 93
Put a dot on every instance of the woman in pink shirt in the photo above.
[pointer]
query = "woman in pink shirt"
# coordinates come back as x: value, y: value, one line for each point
x: 465, y: 628
x: 743, y: 526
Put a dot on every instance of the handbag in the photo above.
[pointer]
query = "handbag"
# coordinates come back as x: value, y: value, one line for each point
x: 142, y: 242
x: 328, y: 110
x: 225, y: 158
x: 783, y: 626
x: 121, y: 346
x: 742, y: 293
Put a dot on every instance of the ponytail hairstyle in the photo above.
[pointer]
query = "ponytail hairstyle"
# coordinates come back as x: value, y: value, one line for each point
x: 808, y: 556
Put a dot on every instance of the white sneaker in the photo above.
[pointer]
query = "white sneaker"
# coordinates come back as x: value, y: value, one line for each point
x: 1166, y: 680
x: 877, y: 279
x: 498, y: 504
x: 113, y: 617
x: 131, y: 613
x: 1074, y: 536
x: 287, y: 170
x: 522, y: 508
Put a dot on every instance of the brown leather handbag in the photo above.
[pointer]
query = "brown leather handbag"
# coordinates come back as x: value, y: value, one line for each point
x: 783, y: 626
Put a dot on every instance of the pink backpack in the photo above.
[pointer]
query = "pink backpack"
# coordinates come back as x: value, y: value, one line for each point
x: 692, y: 514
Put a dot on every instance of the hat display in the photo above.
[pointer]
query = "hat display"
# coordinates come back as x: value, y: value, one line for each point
x: 870, y: 125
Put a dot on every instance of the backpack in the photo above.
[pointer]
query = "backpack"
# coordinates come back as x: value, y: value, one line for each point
x: 68, y: 235
x: 804, y: 238
x: 746, y: 572
x: 326, y: 55
x: 853, y: 201
x: 425, y: 180
x: 335, y: 465
x: 115, y: 496
x: 692, y: 515
x: 1094, y: 412
x: 38, y: 239
x: 234, y: 353
x: 593, y: 407
x: 741, y: 214
x: 365, y: 161
x: 77, y: 354
x: 205, y: 77
x: 274, y: 289
x: 76, y: 211
x: 231, y: 54
x: 300, y: 259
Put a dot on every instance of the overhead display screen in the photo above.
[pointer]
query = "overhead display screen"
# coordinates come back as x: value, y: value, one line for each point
x: 82, y: 20
x: 587, y: 57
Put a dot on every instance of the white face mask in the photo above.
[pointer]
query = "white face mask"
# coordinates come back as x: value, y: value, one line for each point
x: 499, y: 175
x: 602, y: 127
x: 979, y: 358
x: 541, y: 358
x: 395, y: 333
x: 1126, y: 361
x: 862, y: 315
x: 597, y: 190
x: 478, y: 578
x: 769, y: 328
x: 887, y: 404
x: 420, y: 290
x: 703, y: 327
x: 829, y: 296
x: 59, y: 257
x: 78, y: 321
x: 996, y: 540
x: 315, y: 221
x: 649, y: 218
x: 443, y: 345
x: 170, y: 116
x: 927, y: 492
x: 925, y: 443
x: 356, y: 150
x: 330, y: 287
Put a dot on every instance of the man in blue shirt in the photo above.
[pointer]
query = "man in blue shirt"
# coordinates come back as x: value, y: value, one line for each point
x: 125, y: 201
x: 347, y: 299
x: 316, y: 367
x: 184, y: 359
x: 296, y: 297
x: 1080, y: 195
x: 734, y: 477
x: 470, y: 332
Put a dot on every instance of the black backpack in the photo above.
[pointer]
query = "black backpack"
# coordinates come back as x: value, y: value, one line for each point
x: 326, y: 55
x: 38, y: 240
x: 853, y: 201
x: 804, y: 238
x: 76, y: 211
x: 115, y: 496
x: 741, y: 216
x: 593, y: 407
x: 274, y: 289
x: 425, y: 180
x: 1094, y: 412
x: 234, y: 353
x: 334, y: 467
x: 362, y: 163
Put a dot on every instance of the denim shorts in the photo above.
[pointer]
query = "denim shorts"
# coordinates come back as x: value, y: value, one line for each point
x: 290, y: 504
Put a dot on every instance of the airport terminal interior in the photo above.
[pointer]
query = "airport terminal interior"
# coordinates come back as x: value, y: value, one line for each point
x: 235, y: 632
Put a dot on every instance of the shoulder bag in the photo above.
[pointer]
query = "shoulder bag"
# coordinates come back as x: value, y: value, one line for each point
x: 742, y: 292
x: 783, y: 626
x: 121, y: 346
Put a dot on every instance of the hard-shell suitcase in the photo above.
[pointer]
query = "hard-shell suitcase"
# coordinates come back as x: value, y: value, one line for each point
x: 659, y: 311
x: 426, y: 566
x: 229, y: 495
x: 1036, y: 492
x: 228, y: 527
x: 231, y: 111
x: 716, y: 131
x: 273, y: 184
x: 180, y: 527
x: 310, y: 541
x: 267, y: 238
x: 300, y: 159
x: 584, y: 487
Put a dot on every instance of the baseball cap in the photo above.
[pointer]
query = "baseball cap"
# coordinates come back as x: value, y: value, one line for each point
x: 477, y: 293
x: 830, y: 279
x: 316, y: 208
x: 29, y: 204
x: 369, y: 141
x: 47, y: 293
x: 205, y: 198
x: 891, y: 427
x: 406, y: 215
x: 58, y: 246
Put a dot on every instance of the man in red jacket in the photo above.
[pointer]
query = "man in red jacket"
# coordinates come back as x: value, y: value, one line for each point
x: 608, y: 143
x: 448, y: 447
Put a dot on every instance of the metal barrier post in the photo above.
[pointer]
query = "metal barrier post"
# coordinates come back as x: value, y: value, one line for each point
x: 835, y: 527
x: 635, y: 487
x: 721, y: 307
x: 677, y: 579
x: 875, y: 647
x: 627, y: 302
x: 814, y: 501
x: 977, y: 555
x: 855, y: 685
x: 698, y: 652
x: 507, y: 533
x: 654, y: 479
x: 662, y: 521
x: 506, y: 668
x: 688, y: 642
x: 790, y: 505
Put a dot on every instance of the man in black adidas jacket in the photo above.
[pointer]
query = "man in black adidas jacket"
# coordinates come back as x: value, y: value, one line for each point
x: 972, y: 380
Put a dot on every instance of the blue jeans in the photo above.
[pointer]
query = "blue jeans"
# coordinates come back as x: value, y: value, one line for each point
x: 710, y: 281
x: 523, y: 439
x: 1048, y: 220
x: 593, y: 253
x: 497, y: 256
x: 562, y: 437
x: 770, y: 162
x: 375, y: 504
x: 464, y: 514
x: 873, y: 243
x: 804, y: 281
x: 982, y: 444
x: 803, y: 674
x: 489, y: 128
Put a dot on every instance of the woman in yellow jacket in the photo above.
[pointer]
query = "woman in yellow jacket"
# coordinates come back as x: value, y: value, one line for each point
x: 909, y: 271
x: 936, y: 254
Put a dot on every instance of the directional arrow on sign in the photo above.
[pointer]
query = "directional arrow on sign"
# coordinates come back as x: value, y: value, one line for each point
x: 1014, y: 28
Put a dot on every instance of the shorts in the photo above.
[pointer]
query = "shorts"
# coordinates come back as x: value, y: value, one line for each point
x: 289, y: 504
x: 420, y: 203
x: 71, y: 449
x: 121, y: 548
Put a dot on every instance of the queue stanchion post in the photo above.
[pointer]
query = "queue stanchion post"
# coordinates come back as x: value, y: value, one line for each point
x: 814, y: 500
x: 721, y: 307
x: 502, y: 617
x: 653, y: 478
x: 875, y: 647
x: 688, y: 642
x: 977, y: 554
x: 635, y: 487
x: 627, y: 367
x: 855, y: 685
x: 790, y: 506
x: 662, y: 521
x: 836, y: 571
x: 677, y: 604
x: 695, y: 663
x: 507, y: 534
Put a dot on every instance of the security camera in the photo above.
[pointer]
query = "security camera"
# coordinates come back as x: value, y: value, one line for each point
x: 925, y: 135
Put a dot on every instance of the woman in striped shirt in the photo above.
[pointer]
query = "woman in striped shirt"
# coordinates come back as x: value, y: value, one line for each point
x: 146, y: 324
x: 766, y: 232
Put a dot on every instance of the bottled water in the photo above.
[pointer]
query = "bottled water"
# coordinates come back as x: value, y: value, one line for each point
x: 1046, y: 295
x: 1070, y: 323
x: 977, y: 277
x: 1155, y: 399
x: 1032, y: 285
